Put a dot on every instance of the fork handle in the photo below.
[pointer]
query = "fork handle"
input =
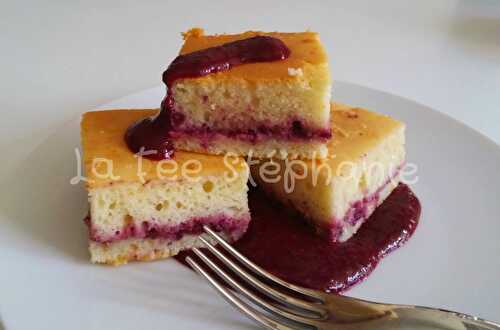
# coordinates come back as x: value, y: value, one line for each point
x: 365, y: 315
x: 434, y: 318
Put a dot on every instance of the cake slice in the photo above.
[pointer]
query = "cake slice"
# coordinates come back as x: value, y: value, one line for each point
x: 339, y: 193
x: 142, y: 209
x: 278, y: 108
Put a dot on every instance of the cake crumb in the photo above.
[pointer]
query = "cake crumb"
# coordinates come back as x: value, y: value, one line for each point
x: 352, y: 114
x: 193, y: 33
x: 295, y: 72
x: 128, y: 220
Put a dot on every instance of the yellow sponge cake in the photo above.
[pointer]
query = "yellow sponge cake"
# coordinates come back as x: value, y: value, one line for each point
x: 141, y: 209
x: 276, y: 108
x: 339, y: 193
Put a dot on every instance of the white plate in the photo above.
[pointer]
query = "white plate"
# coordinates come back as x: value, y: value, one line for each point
x: 46, y: 281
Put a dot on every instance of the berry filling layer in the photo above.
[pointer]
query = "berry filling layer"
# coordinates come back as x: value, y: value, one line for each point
x: 234, y: 227
x: 294, y: 130
x: 360, y: 210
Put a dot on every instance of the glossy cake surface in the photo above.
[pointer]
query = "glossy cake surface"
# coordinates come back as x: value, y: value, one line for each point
x: 306, y: 52
x: 142, y: 209
x: 102, y: 136
x: 338, y: 193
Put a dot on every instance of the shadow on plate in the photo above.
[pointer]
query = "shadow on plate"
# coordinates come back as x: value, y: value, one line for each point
x: 38, y: 200
x: 164, y: 288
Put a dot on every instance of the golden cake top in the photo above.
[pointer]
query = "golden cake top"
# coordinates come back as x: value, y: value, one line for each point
x: 306, y: 52
x: 107, y: 159
x: 356, y: 131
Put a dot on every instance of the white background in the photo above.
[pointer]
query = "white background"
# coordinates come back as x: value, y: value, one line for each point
x: 59, y: 58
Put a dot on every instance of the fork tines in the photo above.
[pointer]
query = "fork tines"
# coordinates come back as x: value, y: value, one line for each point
x: 281, y: 308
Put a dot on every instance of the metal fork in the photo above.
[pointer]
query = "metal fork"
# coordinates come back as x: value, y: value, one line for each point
x: 294, y: 307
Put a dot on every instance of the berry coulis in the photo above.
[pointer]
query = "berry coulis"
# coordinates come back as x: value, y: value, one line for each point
x: 152, y: 134
x: 285, y: 245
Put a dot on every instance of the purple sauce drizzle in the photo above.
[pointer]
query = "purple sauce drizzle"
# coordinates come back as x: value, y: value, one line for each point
x: 286, y: 246
x: 153, y: 133
x: 224, y: 57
